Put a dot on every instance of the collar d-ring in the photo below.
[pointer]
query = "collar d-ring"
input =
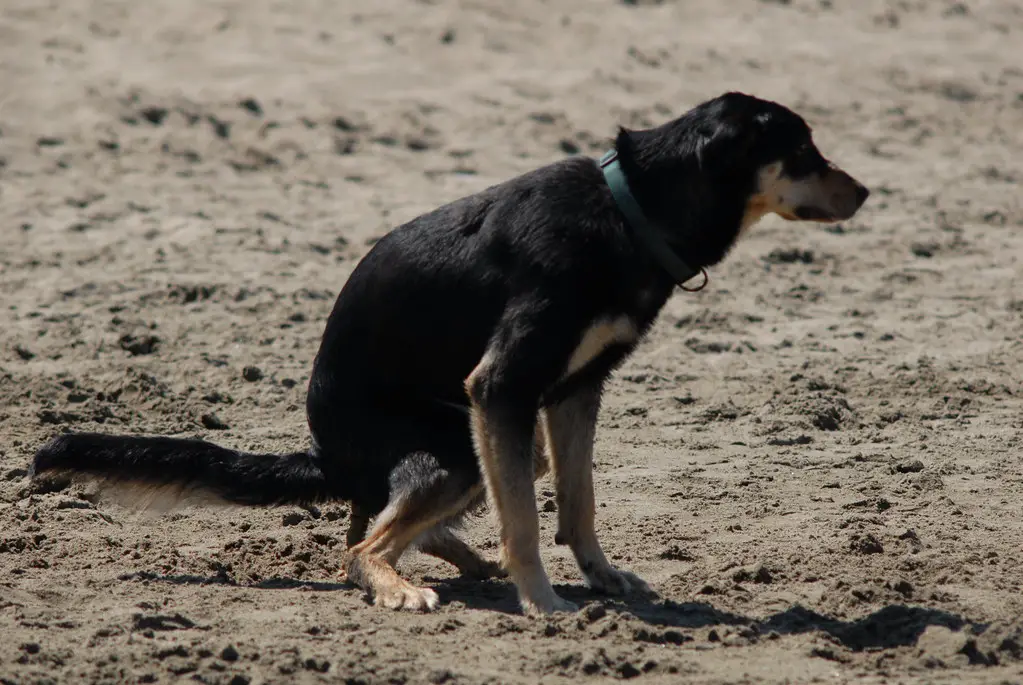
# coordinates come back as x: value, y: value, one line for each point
x: 706, y: 279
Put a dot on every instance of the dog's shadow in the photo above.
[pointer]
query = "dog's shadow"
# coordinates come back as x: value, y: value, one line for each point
x: 272, y: 583
x: 896, y: 625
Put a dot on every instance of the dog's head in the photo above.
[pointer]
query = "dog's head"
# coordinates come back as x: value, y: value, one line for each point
x: 792, y: 178
x: 726, y: 163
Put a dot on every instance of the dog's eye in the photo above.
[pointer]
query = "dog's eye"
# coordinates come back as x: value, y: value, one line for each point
x: 805, y: 160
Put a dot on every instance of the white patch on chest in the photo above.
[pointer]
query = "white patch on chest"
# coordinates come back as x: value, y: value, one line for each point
x: 601, y: 334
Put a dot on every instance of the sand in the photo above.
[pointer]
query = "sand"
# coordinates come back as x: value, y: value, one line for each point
x: 815, y: 462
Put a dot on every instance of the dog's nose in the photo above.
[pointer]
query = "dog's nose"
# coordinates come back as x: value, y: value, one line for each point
x: 861, y: 195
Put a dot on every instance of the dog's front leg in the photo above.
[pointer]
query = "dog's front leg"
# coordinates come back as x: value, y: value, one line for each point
x: 504, y: 432
x: 506, y: 449
x: 571, y: 427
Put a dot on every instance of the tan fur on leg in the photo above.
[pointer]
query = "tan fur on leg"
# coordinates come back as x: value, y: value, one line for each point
x: 541, y: 462
x: 445, y: 545
x: 509, y: 476
x: 571, y: 426
x: 370, y: 564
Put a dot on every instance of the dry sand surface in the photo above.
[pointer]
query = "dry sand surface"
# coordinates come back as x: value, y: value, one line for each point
x: 815, y: 462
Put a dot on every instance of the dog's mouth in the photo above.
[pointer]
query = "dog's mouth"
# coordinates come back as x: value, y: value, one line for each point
x: 807, y: 213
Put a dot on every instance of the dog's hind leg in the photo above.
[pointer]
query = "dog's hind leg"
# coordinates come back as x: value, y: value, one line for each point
x: 422, y: 495
x: 442, y: 543
x: 571, y: 425
x: 357, y: 526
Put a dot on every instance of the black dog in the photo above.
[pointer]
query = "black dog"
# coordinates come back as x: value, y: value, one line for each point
x: 472, y: 344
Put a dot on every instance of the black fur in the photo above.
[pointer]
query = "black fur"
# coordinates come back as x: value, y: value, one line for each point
x: 522, y: 269
x: 187, y: 465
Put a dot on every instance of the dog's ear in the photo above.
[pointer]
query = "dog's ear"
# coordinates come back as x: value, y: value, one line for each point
x: 728, y: 145
x: 624, y: 143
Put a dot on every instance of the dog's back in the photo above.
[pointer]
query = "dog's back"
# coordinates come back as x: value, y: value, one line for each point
x: 417, y: 312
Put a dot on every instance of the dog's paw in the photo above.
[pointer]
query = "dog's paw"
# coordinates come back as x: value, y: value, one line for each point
x: 408, y: 597
x: 612, y: 581
x: 484, y: 570
x: 548, y: 606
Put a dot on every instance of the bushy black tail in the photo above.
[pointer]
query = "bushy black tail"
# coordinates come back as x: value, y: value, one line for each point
x: 185, y: 468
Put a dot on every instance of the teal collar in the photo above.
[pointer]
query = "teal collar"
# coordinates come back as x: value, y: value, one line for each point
x: 642, y: 227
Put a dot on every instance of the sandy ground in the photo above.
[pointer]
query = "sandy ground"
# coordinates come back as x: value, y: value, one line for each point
x: 815, y: 462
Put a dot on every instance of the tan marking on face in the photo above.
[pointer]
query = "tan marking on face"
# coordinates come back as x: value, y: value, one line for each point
x: 831, y: 195
x: 757, y: 207
x: 761, y: 203
x: 598, y: 337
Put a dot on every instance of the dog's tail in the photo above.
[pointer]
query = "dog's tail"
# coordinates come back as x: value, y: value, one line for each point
x: 178, y: 469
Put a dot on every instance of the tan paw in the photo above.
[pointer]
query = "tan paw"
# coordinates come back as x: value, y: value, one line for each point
x: 408, y: 597
x: 548, y: 606
x: 611, y: 581
x: 484, y: 570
